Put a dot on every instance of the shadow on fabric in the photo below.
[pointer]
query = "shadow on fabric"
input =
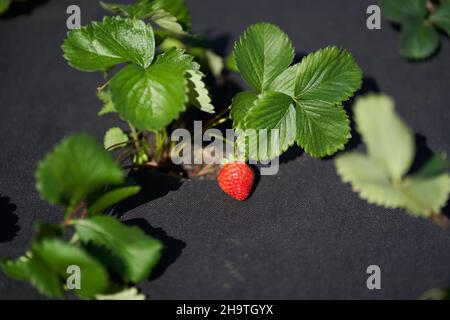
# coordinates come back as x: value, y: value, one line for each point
x: 8, y: 220
x: 153, y: 185
x: 172, y: 247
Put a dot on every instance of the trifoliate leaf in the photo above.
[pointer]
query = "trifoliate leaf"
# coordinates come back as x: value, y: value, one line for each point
x: 77, y: 167
x: 318, y: 86
x: 379, y: 176
x: 398, y: 10
x: 240, y: 106
x: 441, y: 18
x: 388, y: 140
x: 115, y: 138
x: 330, y: 74
x: 322, y: 128
x: 108, y: 105
x: 269, y: 126
x: 419, y: 39
x: 285, y: 82
x: 58, y: 256
x: 198, y: 94
x: 139, y: 252
x: 115, y: 40
x: 126, y: 294
x: 149, y: 98
x: 215, y: 63
x: 369, y: 179
x: 4, y: 5
x: 111, y: 197
x: 262, y: 53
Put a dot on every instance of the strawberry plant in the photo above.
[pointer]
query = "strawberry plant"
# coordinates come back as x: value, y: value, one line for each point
x: 150, y: 88
x: 382, y: 175
x: 109, y: 254
x: 420, y: 21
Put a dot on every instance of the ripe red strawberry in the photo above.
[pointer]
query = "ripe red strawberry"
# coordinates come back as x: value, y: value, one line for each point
x: 236, y: 179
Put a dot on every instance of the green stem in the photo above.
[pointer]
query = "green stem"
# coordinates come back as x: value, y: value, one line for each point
x: 135, y: 135
x: 218, y: 119
x: 160, y: 138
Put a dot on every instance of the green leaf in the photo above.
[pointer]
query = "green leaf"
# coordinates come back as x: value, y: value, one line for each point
x: 262, y: 53
x: 43, y: 279
x: 115, y: 40
x: 240, y: 106
x: 139, y: 252
x: 441, y: 18
x: 285, y: 82
x: 437, y: 165
x: 126, y: 294
x: 271, y: 111
x: 58, y: 256
x: 4, y: 5
x: 230, y: 63
x: 419, y: 39
x: 112, y: 197
x: 215, y: 63
x: 389, y: 141
x: 178, y: 9
x: 149, y: 98
x: 178, y: 57
x: 37, y: 272
x: 115, y: 138
x: 198, y: 94
x: 330, y: 74
x: 425, y: 197
x: 77, y: 167
x: 322, y: 128
x: 18, y: 269
x: 48, y: 231
x: 369, y: 179
x: 172, y: 11
x: 108, y: 105
x: 166, y: 21
x: 398, y: 10
x: 379, y: 176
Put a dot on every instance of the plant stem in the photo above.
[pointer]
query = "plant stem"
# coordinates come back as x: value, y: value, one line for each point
x: 161, y: 137
x: 218, y: 119
x: 103, y: 86
x: 119, y: 145
x: 135, y: 135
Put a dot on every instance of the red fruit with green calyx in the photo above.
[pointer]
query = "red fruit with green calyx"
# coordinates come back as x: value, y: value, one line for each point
x: 236, y: 179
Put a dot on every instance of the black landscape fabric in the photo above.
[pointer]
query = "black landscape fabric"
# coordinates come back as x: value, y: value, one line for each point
x: 302, y: 234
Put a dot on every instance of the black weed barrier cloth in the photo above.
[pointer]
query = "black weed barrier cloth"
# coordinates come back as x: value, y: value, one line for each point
x: 302, y: 234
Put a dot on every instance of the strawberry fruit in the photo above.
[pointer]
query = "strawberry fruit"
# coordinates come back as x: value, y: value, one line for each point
x: 236, y: 179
